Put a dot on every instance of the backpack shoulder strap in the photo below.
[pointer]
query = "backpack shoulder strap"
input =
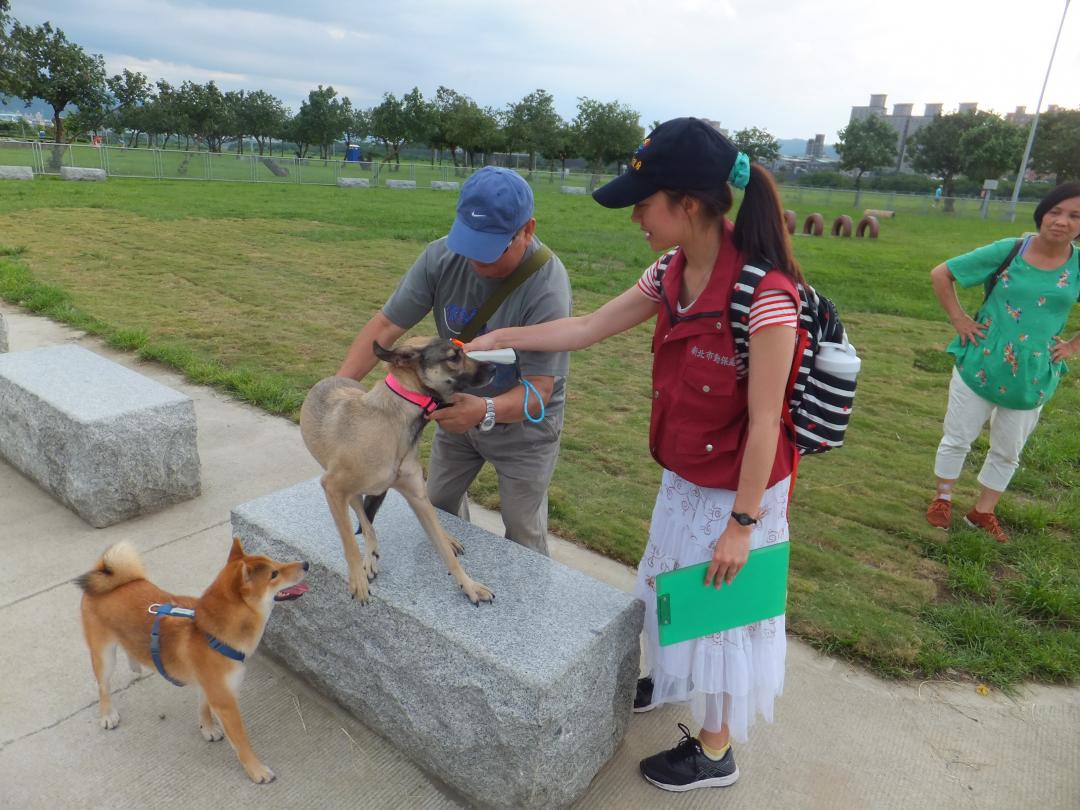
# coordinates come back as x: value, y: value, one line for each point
x: 663, y: 262
x: 512, y: 282
x: 1076, y: 253
x: 742, y: 297
x: 988, y: 287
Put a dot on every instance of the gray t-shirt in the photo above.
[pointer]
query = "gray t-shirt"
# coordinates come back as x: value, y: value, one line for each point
x: 442, y: 282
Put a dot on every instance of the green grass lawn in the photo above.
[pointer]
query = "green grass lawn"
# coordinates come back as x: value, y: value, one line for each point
x: 259, y: 289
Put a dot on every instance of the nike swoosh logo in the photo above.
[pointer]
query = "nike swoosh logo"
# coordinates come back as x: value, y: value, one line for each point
x: 478, y: 216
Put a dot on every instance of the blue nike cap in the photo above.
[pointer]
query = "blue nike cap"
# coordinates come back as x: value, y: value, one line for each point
x: 494, y: 205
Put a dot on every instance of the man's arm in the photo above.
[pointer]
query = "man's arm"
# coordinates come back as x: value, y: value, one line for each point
x: 361, y: 359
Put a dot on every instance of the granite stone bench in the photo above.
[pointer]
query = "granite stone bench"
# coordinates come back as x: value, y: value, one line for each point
x: 16, y: 173
x: 514, y: 704
x: 400, y: 184
x: 353, y: 182
x: 445, y: 185
x: 77, y: 173
x: 105, y: 440
x: 572, y: 189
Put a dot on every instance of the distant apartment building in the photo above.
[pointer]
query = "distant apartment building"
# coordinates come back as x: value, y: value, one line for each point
x: 716, y: 125
x: 906, y: 124
x: 813, y: 159
x: 815, y: 146
x: 903, y: 121
x: 1021, y: 117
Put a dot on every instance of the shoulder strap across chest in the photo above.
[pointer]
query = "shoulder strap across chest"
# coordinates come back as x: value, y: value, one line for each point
x: 538, y: 259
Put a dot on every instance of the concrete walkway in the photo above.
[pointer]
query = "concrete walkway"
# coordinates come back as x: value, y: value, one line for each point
x: 842, y: 738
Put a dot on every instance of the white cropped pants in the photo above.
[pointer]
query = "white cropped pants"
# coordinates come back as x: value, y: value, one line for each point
x: 964, y: 421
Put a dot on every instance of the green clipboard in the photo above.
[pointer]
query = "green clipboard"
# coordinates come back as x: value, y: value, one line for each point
x: 686, y: 608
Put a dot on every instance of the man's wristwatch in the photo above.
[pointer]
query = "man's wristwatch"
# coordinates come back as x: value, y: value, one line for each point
x: 744, y: 519
x: 489, y: 415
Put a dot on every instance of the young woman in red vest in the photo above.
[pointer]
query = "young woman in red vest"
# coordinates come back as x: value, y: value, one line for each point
x: 716, y: 425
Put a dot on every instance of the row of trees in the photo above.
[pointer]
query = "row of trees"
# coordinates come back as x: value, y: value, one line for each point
x: 40, y: 62
x: 975, y: 145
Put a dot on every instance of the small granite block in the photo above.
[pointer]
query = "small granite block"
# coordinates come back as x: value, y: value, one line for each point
x: 353, y: 182
x: 445, y: 185
x: 572, y: 189
x: 107, y: 441
x: 76, y: 173
x: 400, y: 184
x: 16, y: 173
x: 514, y: 704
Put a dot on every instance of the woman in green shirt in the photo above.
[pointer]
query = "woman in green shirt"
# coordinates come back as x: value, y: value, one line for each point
x: 1010, y: 356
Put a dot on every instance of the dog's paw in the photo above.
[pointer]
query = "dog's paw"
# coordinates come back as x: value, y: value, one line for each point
x: 259, y: 774
x: 211, y: 733
x: 358, y: 586
x: 371, y: 567
x: 478, y: 593
x: 109, y: 720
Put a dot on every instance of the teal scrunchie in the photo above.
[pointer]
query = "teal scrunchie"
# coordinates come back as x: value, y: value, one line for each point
x: 740, y: 172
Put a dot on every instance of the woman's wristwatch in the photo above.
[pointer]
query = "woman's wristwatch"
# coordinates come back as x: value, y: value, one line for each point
x: 489, y: 415
x: 744, y: 519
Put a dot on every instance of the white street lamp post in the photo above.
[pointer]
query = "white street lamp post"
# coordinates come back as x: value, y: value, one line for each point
x: 1035, y: 122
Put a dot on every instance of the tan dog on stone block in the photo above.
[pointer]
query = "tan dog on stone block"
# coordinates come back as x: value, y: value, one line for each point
x: 366, y: 442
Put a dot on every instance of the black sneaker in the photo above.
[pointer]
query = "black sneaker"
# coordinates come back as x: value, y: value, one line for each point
x: 643, y: 698
x: 686, y: 767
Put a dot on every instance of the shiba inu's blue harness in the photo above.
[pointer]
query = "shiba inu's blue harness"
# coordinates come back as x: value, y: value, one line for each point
x: 157, y: 611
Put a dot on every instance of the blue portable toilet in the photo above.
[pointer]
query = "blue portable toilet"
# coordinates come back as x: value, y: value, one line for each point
x: 352, y: 153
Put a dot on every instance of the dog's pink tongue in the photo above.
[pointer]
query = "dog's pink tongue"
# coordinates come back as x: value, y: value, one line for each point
x: 295, y: 592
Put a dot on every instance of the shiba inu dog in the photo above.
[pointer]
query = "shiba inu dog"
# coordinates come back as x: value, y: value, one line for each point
x: 201, y: 640
x: 366, y: 442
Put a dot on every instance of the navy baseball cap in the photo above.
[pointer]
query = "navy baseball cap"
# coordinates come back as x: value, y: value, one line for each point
x: 683, y: 154
x: 494, y: 205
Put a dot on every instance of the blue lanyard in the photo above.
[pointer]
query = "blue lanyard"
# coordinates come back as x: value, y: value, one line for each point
x: 530, y: 388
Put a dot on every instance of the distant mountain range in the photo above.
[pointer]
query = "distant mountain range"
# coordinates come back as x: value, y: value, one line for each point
x: 15, y: 105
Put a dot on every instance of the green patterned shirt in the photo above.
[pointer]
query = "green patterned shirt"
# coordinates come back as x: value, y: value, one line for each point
x: 1027, y: 308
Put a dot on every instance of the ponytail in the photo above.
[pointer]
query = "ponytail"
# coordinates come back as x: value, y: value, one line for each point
x: 761, y: 234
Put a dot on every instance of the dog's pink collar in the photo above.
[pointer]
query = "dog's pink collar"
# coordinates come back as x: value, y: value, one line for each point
x: 427, y: 404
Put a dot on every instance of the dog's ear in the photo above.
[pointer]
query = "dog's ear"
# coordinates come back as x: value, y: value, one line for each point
x: 237, y: 551
x: 254, y: 570
x: 383, y: 354
x: 405, y: 357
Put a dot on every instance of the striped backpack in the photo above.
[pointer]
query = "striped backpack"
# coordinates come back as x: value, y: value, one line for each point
x: 819, y: 402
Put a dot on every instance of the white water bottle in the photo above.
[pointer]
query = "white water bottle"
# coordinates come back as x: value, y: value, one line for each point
x: 502, y: 357
x: 838, y: 359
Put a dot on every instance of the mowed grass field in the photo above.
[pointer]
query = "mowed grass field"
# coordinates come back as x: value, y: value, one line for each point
x: 259, y: 289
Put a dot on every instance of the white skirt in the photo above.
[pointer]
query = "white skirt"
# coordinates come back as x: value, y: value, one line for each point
x: 726, y: 677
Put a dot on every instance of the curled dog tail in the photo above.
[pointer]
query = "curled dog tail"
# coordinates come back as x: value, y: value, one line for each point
x: 119, y: 565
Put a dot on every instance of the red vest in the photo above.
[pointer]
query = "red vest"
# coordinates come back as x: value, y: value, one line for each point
x: 699, y: 412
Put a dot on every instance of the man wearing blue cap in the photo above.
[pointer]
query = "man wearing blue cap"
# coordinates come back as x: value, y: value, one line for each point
x: 492, y: 236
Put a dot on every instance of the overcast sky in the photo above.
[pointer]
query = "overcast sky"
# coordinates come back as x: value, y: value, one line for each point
x: 793, y: 67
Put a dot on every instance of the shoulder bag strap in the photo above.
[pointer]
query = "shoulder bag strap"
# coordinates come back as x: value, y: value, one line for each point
x: 990, y: 282
x: 512, y: 282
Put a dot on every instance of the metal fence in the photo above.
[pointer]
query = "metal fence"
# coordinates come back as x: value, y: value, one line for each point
x: 806, y: 199
x: 170, y: 164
